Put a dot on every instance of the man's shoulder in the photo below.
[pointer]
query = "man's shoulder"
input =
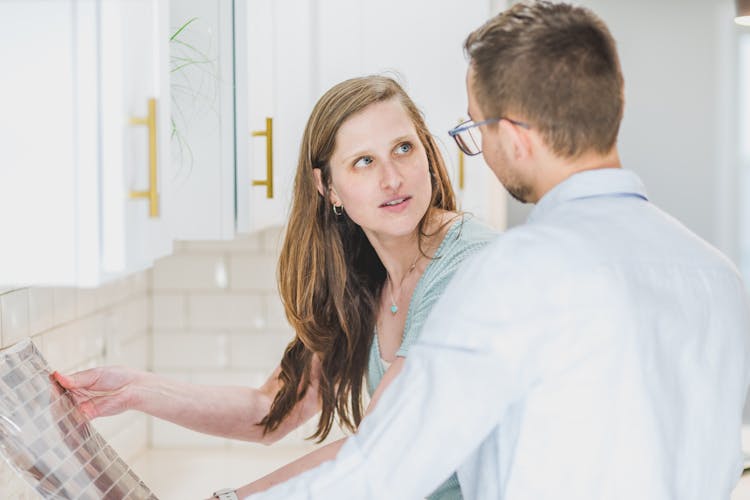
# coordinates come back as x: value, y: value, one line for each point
x: 520, y: 254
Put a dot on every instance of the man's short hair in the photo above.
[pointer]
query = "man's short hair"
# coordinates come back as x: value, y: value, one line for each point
x: 555, y: 66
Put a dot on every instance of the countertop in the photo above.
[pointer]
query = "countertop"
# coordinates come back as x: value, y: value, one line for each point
x: 195, y: 473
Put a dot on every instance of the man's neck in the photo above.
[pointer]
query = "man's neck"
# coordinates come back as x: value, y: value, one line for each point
x: 555, y: 170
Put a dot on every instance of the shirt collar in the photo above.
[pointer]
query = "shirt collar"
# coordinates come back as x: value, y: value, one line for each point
x: 590, y: 183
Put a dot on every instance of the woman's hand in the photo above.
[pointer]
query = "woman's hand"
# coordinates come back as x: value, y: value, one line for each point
x: 100, y: 392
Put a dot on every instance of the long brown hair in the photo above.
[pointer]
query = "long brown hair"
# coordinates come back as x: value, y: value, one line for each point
x: 329, y: 275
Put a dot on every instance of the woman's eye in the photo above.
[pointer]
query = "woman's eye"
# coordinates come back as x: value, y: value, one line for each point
x: 404, y: 148
x: 363, y: 162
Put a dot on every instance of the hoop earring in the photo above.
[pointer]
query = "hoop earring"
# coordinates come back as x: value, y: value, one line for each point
x: 340, y: 210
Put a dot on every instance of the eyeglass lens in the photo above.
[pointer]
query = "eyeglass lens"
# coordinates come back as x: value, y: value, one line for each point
x: 470, y: 141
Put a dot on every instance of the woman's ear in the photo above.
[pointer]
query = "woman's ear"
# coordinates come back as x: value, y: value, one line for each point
x: 332, y: 197
x: 319, y: 181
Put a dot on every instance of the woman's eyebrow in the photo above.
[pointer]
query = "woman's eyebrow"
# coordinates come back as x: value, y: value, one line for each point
x: 402, y: 138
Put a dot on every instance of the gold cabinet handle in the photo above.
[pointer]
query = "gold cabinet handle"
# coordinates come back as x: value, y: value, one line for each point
x: 461, y: 158
x: 268, y: 134
x: 151, y: 193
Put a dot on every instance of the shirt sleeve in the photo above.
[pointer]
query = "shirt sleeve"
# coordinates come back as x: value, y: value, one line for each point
x: 410, y: 444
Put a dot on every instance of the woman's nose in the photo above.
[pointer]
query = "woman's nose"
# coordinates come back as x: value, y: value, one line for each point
x: 391, y: 176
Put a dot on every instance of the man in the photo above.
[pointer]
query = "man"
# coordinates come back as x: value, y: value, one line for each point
x: 600, y: 351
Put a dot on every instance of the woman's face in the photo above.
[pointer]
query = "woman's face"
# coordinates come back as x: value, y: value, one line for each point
x: 379, y: 171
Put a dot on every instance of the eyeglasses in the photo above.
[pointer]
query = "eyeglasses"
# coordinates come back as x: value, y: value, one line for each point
x: 469, y: 141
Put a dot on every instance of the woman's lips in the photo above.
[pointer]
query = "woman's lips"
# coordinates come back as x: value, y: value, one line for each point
x: 396, y: 204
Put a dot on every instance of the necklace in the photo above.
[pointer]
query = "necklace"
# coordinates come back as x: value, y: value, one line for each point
x: 394, y: 307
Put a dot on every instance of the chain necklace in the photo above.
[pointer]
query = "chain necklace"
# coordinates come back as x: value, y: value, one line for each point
x: 394, y: 307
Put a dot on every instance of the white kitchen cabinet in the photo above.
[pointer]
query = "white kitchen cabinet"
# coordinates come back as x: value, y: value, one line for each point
x: 199, y: 181
x: 276, y: 64
x: 291, y: 51
x: 80, y: 144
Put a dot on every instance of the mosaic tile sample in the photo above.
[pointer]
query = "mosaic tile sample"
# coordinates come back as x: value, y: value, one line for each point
x: 47, y: 439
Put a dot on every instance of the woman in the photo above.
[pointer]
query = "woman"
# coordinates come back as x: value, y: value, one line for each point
x: 373, y: 239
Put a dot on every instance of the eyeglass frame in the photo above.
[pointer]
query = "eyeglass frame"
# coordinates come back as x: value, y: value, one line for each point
x: 462, y: 127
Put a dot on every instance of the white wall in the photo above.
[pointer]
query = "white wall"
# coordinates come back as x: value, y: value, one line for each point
x: 679, y: 131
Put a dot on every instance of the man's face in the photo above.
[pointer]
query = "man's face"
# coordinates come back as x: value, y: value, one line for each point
x: 497, y: 148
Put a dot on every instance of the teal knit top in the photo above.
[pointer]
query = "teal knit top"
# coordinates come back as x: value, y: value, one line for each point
x: 463, y: 239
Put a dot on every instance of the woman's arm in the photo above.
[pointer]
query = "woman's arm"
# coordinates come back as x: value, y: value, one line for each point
x: 327, y: 452
x: 219, y: 410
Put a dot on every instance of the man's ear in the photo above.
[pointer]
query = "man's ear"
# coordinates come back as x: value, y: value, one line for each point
x: 519, y: 139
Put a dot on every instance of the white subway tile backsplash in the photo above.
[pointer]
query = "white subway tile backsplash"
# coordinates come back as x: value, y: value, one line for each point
x: 189, y: 272
x: 59, y: 349
x: 113, y: 293
x: 90, y: 336
x: 113, y: 332
x: 276, y: 314
x: 136, y: 316
x: 131, y: 439
x: 253, y: 272
x: 257, y: 350
x: 15, y: 316
x: 140, y: 282
x: 169, y: 311
x: 86, y: 301
x: 135, y: 353
x: 273, y: 239
x: 242, y: 244
x: 225, y: 311
x: 41, y: 309
x: 112, y: 425
x: 65, y: 305
x: 189, y: 350
x: 72, y: 344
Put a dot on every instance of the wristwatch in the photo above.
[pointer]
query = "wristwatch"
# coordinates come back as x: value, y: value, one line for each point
x: 226, y: 494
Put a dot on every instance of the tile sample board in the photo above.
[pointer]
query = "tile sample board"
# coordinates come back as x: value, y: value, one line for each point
x: 47, y: 439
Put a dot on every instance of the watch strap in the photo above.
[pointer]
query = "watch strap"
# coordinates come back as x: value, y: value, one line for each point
x: 226, y: 494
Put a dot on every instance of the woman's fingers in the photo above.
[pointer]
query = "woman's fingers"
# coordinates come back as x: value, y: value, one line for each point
x: 99, y: 392
x: 87, y: 379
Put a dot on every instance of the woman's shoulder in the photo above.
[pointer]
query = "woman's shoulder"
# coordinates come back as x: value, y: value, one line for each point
x: 465, y: 236
x: 467, y: 233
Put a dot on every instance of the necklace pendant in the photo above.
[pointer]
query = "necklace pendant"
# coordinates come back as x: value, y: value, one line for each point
x: 394, y: 309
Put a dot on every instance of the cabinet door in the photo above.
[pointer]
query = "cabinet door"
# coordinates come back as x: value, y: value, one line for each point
x: 134, y: 133
x: 275, y: 68
x: 198, y: 184
x: 47, y: 135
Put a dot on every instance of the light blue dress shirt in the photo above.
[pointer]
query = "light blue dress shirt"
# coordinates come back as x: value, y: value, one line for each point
x: 599, y: 351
